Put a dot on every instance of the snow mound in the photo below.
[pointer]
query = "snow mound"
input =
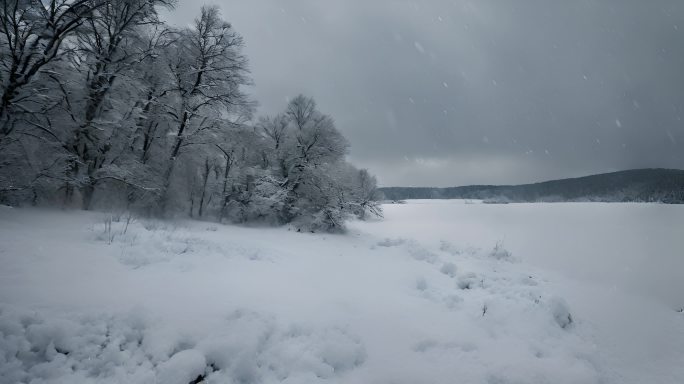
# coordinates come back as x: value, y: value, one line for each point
x: 184, y: 367
x: 561, y: 312
x: 449, y: 269
x: 250, y: 348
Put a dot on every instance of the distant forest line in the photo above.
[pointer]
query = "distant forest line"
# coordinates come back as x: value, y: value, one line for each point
x: 638, y: 185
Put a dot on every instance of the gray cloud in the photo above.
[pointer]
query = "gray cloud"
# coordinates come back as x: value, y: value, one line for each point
x: 457, y: 92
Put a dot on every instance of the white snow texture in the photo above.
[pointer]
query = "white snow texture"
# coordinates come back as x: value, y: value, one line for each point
x: 437, y: 292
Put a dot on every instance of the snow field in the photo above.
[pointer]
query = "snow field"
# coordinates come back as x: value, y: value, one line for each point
x: 390, y: 302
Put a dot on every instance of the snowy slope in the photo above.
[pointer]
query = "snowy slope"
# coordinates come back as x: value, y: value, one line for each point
x: 424, y: 296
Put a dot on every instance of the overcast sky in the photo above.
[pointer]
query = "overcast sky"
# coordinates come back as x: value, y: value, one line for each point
x: 442, y: 93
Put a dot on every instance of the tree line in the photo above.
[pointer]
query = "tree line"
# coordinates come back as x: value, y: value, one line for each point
x: 106, y: 106
x: 636, y: 185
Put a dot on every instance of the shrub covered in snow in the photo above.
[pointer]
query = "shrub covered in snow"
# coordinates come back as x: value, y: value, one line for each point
x: 499, y: 252
x: 561, y: 312
x: 449, y: 269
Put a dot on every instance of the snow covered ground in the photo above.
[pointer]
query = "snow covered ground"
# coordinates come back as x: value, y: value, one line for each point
x: 437, y: 292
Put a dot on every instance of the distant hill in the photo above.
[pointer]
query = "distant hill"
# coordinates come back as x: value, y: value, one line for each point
x: 643, y: 185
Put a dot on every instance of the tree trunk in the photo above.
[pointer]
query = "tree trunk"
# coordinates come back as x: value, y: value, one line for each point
x: 224, y: 195
x: 5, y: 102
x: 204, y: 186
x: 172, y: 162
x: 87, y: 192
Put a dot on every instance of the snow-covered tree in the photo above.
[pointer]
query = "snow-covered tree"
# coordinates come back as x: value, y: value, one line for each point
x: 365, y: 193
x: 208, y: 70
x: 103, y: 105
x: 110, y: 45
x: 32, y: 37
x: 305, y: 154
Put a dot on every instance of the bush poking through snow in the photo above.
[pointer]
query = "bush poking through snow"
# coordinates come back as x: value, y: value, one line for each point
x: 115, y: 224
x: 499, y: 252
x: 467, y: 281
x: 108, y: 233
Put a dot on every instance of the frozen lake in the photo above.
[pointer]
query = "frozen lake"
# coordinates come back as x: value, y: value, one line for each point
x: 631, y: 246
